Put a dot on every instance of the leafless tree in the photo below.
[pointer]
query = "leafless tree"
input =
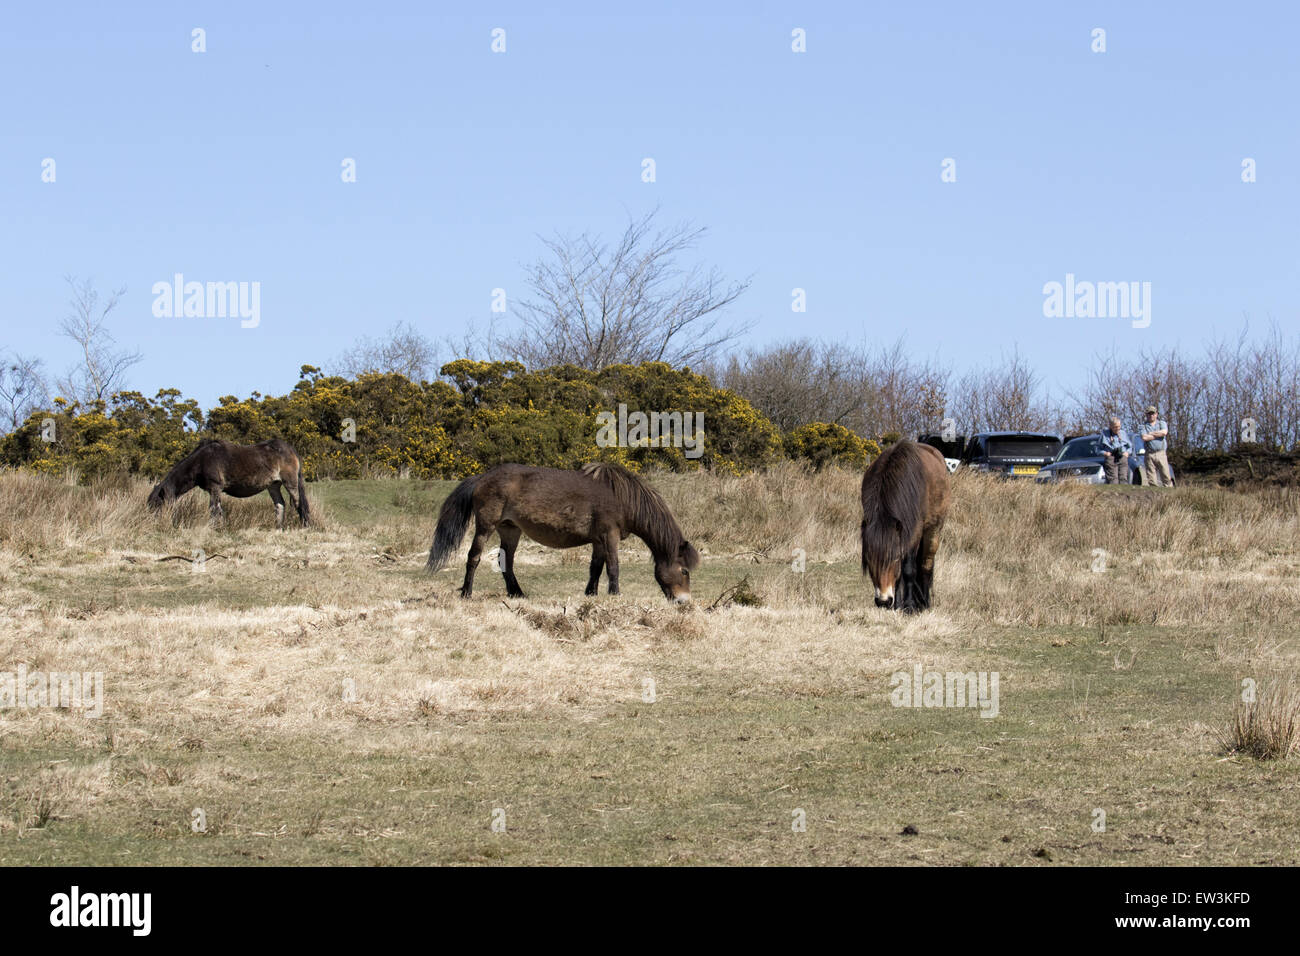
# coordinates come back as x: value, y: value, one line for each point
x: 593, y: 305
x: 402, y: 350
x: 801, y: 381
x: 1109, y: 391
x: 1271, y: 389
x: 869, y: 391
x: 912, y: 394
x: 22, y: 389
x: 1004, y: 396
x: 102, y: 368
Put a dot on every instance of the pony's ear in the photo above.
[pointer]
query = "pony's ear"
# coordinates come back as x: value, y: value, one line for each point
x: 690, y: 557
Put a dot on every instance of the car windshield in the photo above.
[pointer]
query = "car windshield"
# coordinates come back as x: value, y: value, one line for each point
x: 1023, y: 446
x: 1085, y: 447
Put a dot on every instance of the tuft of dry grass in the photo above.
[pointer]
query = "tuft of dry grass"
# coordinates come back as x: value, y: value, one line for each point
x: 1267, y: 727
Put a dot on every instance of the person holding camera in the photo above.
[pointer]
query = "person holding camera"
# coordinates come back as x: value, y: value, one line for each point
x: 1115, y: 449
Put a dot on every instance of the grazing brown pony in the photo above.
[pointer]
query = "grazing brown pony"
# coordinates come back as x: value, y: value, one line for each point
x: 904, y: 503
x: 599, y: 505
x: 240, y: 471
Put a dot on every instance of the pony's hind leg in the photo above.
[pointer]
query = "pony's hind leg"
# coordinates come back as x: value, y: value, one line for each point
x: 214, y: 505
x: 925, y: 563
x: 274, y: 492
x: 298, y: 500
x: 509, y: 541
x: 482, y: 532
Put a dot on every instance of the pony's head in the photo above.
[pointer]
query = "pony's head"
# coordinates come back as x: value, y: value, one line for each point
x: 882, y: 558
x: 673, y: 571
x: 648, y: 517
x: 161, y: 495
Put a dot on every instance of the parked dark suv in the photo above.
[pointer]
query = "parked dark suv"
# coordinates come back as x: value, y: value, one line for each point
x: 1011, y: 454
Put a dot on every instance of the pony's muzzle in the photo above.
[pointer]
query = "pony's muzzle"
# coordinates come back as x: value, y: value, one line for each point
x: 682, y: 599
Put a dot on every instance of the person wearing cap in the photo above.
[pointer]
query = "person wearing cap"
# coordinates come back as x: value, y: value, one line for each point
x: 1115, y: 449
x: 1156, y: 439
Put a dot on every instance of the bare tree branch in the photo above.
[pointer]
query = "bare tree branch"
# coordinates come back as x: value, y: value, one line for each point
x: 22, y: 389
x: 102, y: 369
x: 402, y: 350
x: 593, y: 305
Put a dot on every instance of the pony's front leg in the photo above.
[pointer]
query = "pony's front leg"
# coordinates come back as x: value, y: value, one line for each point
x: 907, y: 593
x: 597, y: 565
x: 925, y: 575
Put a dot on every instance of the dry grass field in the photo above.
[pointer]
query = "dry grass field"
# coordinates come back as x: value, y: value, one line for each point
x: 313, y: 697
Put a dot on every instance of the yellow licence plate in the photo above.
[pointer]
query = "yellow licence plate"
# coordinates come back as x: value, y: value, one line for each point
x: 1025, y: 469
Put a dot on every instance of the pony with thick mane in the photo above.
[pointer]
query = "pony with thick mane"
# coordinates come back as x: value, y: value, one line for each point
x: 904, y: 502
x: 240, y: 471
x: 599, y: 505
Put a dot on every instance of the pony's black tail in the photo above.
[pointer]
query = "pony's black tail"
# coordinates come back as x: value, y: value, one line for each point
x: 453, y: 519
x: 304, y: 512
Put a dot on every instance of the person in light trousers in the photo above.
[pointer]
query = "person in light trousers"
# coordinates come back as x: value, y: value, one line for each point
x: 1155, y: 471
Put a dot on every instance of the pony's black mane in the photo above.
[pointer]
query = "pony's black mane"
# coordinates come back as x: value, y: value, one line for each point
x: 203, y: 443
x: 651, y: 519
x: 893, y: 499
x: 184, y: 468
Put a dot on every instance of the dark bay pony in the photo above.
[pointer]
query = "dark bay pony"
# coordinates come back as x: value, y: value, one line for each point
x: 599, y: 505
x: 240, y: 471
x: 904, y: 503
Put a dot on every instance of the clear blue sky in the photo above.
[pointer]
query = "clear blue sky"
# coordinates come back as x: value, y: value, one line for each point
x: 818, y: 170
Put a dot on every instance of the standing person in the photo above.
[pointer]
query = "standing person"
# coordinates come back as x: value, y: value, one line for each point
x: 1156, y: 438
x: 1115, y: 449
